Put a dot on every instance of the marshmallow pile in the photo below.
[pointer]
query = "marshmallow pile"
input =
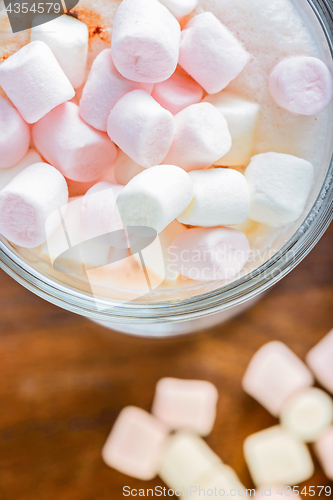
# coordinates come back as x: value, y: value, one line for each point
x: 154, y: 118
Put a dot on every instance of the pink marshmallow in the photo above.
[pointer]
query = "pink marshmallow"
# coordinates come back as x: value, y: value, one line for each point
x: 320, y: 359
x: 301, y: 85
x: 14, y: 135
x: 104, y: 87
x: 210, y: 254
x: 145, y: 41
x: 27, y: 202
x: 178, y: 92
x: 136, y: 444
x: 210, y: 53
x: 80, y: 152
x: 34, y: 81
x: 274, y: 374
x: 186, y: 404
x: 201, y: 137
x: 324, y: 451
x: 141, y: 128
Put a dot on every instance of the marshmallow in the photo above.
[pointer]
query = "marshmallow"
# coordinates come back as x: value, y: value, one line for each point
x: 141, y: 128
x: 187, y: 458
x: 67, y: 37
x: 104, y: 87
x: 274, y: 374
x: 279, y: 187
x: 222, y: 480
x: 307, y: 414
x: 274, y: 456
x: 14, y: 135
x: 155, y: 197
x: 125, y: 168
x: 80, y: 152
x: 221, y: 198
x: 135, y: 444
x: 319, y: 360
x: 201, y: 136
x: 186, y: 404
x: 145, y: 41
x: 178, y: 92
x: 27, y: 202
x: 34, y: 81
x: 210, y: 254
x: 324, y: 452
x: 210, y: 53
x: 8, y: 174
x: 301, y: 85
x: 180, y: 8
x: 242, y: 118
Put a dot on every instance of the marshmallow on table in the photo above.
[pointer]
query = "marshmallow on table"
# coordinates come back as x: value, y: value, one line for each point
x: 301, y: 85
x: 210, y: 53
x: 201, y: 136
x: 141, y: 128
x: 180, y: 8
x: 320, y: 359
x: 34, y: 81
x: 104, y: 87
x: 27, y: 203
x: 274, y: 456
x: 135, y: 444
x: 274, y: 374
x: 221, y: 198
x: 125, y: 168
x: 324, y: 451
x: 8, y: 174
x: 210, y: 254
x: 186, y: 404
x: 307, y: 414
x: 14, y: 135
x: 242, y: 118
x: 178, y: 92
x: 68, y: 38
x: 80, y: 152
x: 155, y: 197
x: 279, y: 187
x: 145, y: 41
x: 221, y: 479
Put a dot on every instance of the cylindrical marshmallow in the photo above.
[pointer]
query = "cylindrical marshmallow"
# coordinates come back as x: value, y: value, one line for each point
x: 279, y: 187
x: 14, y: 135
x: 301, y: 85
x: 178, y: 92
x: 210, y: 53
x: 145, y: 41
x: 125, y: 168
x: 80, y: 152
x: 141, y: 128
x: 34, y: 81
x: 155, y: 197
x: 221, y: 198
x: 67, y: 37
x: 201, y: 136
x: 210, y: 254
x: 180, y: 8
x: 104, y: 87
x: 8, y: 174
x: 28, y: 202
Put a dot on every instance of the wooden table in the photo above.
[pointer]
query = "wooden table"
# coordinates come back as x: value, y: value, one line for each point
x: 64, y: 380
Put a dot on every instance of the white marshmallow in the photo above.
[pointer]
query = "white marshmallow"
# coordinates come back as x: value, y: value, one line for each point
x: 104, y: 87
x: 279, y: 187
x: 201, y: 136
x: 155, y: 197
x: 210, y: 53
x: 223, y: 480
x: 221, y: 198
x: 274, y: 456
x: 80, y: 152
x: 180, y: 8
x: 27, y: 202
x: 14, y: 135
x: 141, y: 128
x: 242, y: 118
x: 34, y: 81
x: 8, y: 174
x: 125, y: 168
x: 67, y: 37
x: 145, y: 41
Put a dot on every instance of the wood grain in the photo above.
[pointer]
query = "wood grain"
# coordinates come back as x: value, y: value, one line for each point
x: 64, y: 380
